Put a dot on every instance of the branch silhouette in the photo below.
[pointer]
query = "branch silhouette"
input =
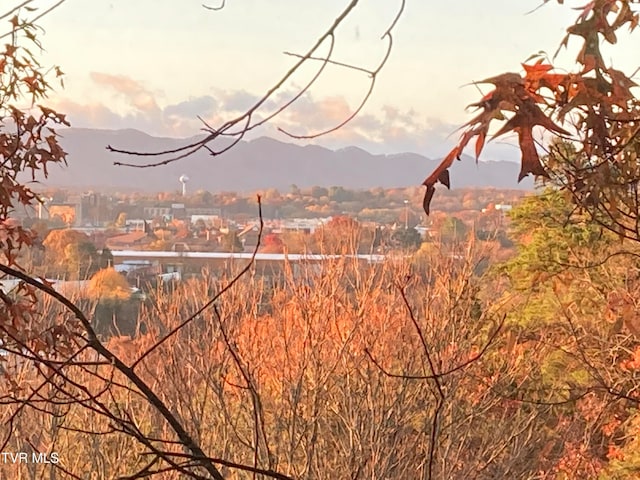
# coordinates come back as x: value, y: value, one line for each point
x: 246, y: 121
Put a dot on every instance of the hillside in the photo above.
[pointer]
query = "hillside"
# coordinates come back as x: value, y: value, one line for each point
x: 256, y: 164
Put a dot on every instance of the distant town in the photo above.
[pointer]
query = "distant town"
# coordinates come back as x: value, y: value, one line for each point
x: 172, y: 234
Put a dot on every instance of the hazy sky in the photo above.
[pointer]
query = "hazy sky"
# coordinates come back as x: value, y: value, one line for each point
x: 156, y: 64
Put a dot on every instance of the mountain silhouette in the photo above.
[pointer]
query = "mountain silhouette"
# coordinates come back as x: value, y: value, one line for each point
x: 254, y: 165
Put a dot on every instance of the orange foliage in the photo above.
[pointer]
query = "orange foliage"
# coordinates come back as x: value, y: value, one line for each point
x: 107, y: 284
x: 614, y: 453
x: 57, y: 240
x: 633, y: 363
x: 313, y: 328
x: 272, y: 243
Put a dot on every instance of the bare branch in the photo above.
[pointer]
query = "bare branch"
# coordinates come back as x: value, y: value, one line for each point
x: 227, y: 128
x: 219, y: 7
x: 32, y: 20
x: 372, y: 73
x: 444, y: 373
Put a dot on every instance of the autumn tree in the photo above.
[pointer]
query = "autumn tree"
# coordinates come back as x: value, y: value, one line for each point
x: 28, y: 148
x: 272, y: 243
x: 297, y: 242
x: 28, y: 139
x: 121, y: 220
x: 570, y: 271
x: 326, y: 393
x: 46, y: 336
x: 300, y: 389
x: 107, y: 285
x: 70, y: 253
x: 338, y: 236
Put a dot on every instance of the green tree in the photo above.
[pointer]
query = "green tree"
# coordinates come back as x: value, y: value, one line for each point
x: 112, y: 294
x: 550, y: 239
x: 202, y: 197
x: 294, y: 190
x: 106, y: 258
x: 81, y: 258
x: 40, y: 228
x: 406, y: 238
x: 571, y: 299
x: 340, y: 194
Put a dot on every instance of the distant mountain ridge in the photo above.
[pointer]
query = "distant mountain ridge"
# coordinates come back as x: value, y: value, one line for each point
x: 255, y: 165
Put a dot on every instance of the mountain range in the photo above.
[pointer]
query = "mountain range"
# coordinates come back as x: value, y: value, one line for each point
x: 253, y: 165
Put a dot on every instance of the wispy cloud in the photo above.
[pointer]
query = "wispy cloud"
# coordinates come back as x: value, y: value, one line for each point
x: 132, y: 91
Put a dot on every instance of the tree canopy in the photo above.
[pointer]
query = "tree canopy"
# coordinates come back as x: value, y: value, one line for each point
x: 70, y: 253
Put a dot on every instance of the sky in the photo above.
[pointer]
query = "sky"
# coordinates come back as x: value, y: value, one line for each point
x: 156, y: 65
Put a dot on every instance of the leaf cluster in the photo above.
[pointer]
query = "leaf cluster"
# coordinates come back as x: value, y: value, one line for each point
x: 594, y: 106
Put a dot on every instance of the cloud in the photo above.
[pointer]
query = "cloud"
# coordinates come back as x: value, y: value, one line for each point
x: 98, y: 115
x: 308, y: 114
x: 87, y: 115
x: 120, y: 83
x: 385, y: 129
x: 203, y: 106
x: 127, y: 103
x: 237, y: 101
x: 131, y: 90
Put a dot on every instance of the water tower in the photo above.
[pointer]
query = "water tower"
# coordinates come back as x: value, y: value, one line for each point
x: 183, y: 180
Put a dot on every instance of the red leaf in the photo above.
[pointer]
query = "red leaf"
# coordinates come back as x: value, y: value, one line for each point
x: 428, y: 195
x: 480, y: 143
x: 440, y: 174
x: 530, y: 162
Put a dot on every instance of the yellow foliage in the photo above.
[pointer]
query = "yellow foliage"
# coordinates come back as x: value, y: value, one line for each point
x: 107, y: 284
x: 57, y: 241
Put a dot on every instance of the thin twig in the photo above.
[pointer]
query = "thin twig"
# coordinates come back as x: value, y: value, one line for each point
x: 219, y: 7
